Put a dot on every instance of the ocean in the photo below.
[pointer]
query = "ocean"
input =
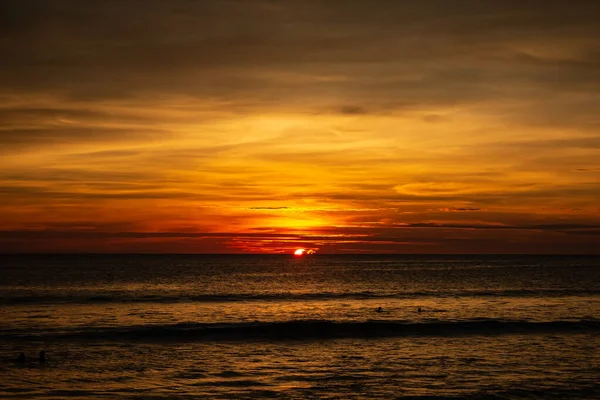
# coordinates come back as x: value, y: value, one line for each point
x: 285, y: 327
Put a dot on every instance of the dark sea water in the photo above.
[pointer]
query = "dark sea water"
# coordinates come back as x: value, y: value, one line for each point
x: 225, y: 327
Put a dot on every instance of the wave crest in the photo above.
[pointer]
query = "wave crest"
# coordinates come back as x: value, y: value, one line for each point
x: 310, y: 330
x: 365, y: 295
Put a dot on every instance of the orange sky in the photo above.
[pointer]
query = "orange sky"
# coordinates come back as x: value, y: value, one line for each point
x: 264, y: 126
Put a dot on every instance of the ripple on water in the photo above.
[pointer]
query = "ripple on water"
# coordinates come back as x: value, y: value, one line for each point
x: 229, y: 374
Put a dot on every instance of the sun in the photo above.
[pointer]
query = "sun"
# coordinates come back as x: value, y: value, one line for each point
x: 302, y: 252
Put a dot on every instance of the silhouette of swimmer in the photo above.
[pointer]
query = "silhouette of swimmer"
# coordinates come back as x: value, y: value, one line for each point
x: 419, y: 310
x: 42, y: 358
x: 379, y: 309
x: 21, y: 358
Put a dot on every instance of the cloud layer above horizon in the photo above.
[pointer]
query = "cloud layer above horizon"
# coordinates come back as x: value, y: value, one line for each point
x: 262, y: 126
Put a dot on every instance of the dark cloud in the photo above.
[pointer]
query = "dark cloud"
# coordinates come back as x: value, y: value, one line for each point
x: 121, y: 48
x: 587, y: 169
x: 31, y: 115
x: 403, y: 239
x: 563, y: 226
x: 16, y: 139
x: 352, y: 110
x: 585, y: 232
x: 335, y: 234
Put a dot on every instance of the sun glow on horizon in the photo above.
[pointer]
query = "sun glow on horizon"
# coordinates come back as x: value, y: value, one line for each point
x: 301, y: 252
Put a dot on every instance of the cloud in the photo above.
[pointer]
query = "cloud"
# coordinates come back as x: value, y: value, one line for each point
x: 396, y: 239
x: 95, y: 52
x: 590, y: 232
x: 587, y: 142
x: 352, y: 110
x: 17, y: 139
x: 587, y: 169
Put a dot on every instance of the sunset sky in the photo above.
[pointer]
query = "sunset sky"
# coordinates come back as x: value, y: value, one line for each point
x: 344, y: 126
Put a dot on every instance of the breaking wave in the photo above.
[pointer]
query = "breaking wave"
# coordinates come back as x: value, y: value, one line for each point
x: 306, y: 330
x: 207, y: 298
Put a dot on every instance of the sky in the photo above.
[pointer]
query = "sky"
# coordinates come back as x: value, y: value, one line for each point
x: 262, y: 126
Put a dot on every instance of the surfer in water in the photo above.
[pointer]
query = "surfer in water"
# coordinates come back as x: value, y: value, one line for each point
x: 379, y: 309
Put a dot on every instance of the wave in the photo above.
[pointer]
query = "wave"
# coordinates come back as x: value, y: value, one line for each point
x: 308, y: 330
x: 207, y: 298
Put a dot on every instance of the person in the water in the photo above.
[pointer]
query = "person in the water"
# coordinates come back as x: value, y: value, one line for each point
x: 379, y: 309
x: 419, y: 310
x: 21, y: 358
x: 42, y: 358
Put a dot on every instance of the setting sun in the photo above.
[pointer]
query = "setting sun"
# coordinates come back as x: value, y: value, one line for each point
x: 299, y: 252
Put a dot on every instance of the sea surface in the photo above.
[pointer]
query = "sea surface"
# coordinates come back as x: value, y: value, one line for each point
x: 285, y: 327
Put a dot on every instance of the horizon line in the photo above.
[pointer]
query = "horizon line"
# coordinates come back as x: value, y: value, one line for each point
x: 292, y: 254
